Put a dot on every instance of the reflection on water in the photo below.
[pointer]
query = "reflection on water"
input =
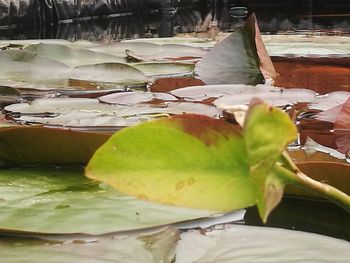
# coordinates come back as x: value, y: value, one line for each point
x: 274, y: 18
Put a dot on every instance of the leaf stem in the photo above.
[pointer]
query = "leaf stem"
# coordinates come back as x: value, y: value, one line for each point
x: 300, y: 179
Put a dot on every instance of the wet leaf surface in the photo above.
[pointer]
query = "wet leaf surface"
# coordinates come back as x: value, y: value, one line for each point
x: 149, y: 248
x: 107, y: 75
x: 234, y: 243
x: 63, y: 201
x: 85, y: 112
x: 164, y: 69
x: 24, y: 66
x: 72, y: 57
x: 131, y: 98
x: 150, y: 51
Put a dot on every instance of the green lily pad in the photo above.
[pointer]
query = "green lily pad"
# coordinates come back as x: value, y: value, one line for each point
x: 152, y: 247
x: 62, y: 200
x: 235, y: 243
x: 25, y: 66
x: 71, y: 57
x: 165, y: 69
x: 84, y: 112
x: 150, y: 51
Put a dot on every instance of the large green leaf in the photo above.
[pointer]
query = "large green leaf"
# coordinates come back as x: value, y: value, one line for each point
x: 194, y: 161
x: 62, y: 200
x: 205, y: 163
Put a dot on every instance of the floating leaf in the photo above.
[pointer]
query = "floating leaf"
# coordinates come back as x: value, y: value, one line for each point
x: 200, y: 162
x: 307, y: 46
x: 9, y: 95
x: 80, y: 112
x: 329, y: 100
x: 24, y: 66
x: 53, y: 200
x: 200, y: 93
x: 150, y: 51
x: 70, y: 56
x: 146, y: 247
x: 165, y: 69
x: 235, y: 243
x: 274, y: 96
x: 130, y: 98
x: 107, y: 75
x: 187, y: 41
x: 37, y: 145
x: 238, y: 59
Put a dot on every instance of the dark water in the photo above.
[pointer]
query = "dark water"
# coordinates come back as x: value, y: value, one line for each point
x: 309, y: 215
x: 274, y: 17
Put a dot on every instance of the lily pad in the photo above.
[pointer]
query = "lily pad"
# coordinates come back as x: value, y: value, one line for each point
x: 24, y: 66
x: 131, y: 98
x: 274, y: 96
x: 150, y: 51
x: 235, y: 243
x: 84, y: 112
x: 153, y: 247
x: 72, y: 57
x: 107, y: 75
x: 157, y: 70
x: 53, y: 200
x: 200, y: 93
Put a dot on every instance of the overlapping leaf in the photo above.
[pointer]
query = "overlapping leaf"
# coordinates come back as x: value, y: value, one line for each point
x: 62, y: 200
